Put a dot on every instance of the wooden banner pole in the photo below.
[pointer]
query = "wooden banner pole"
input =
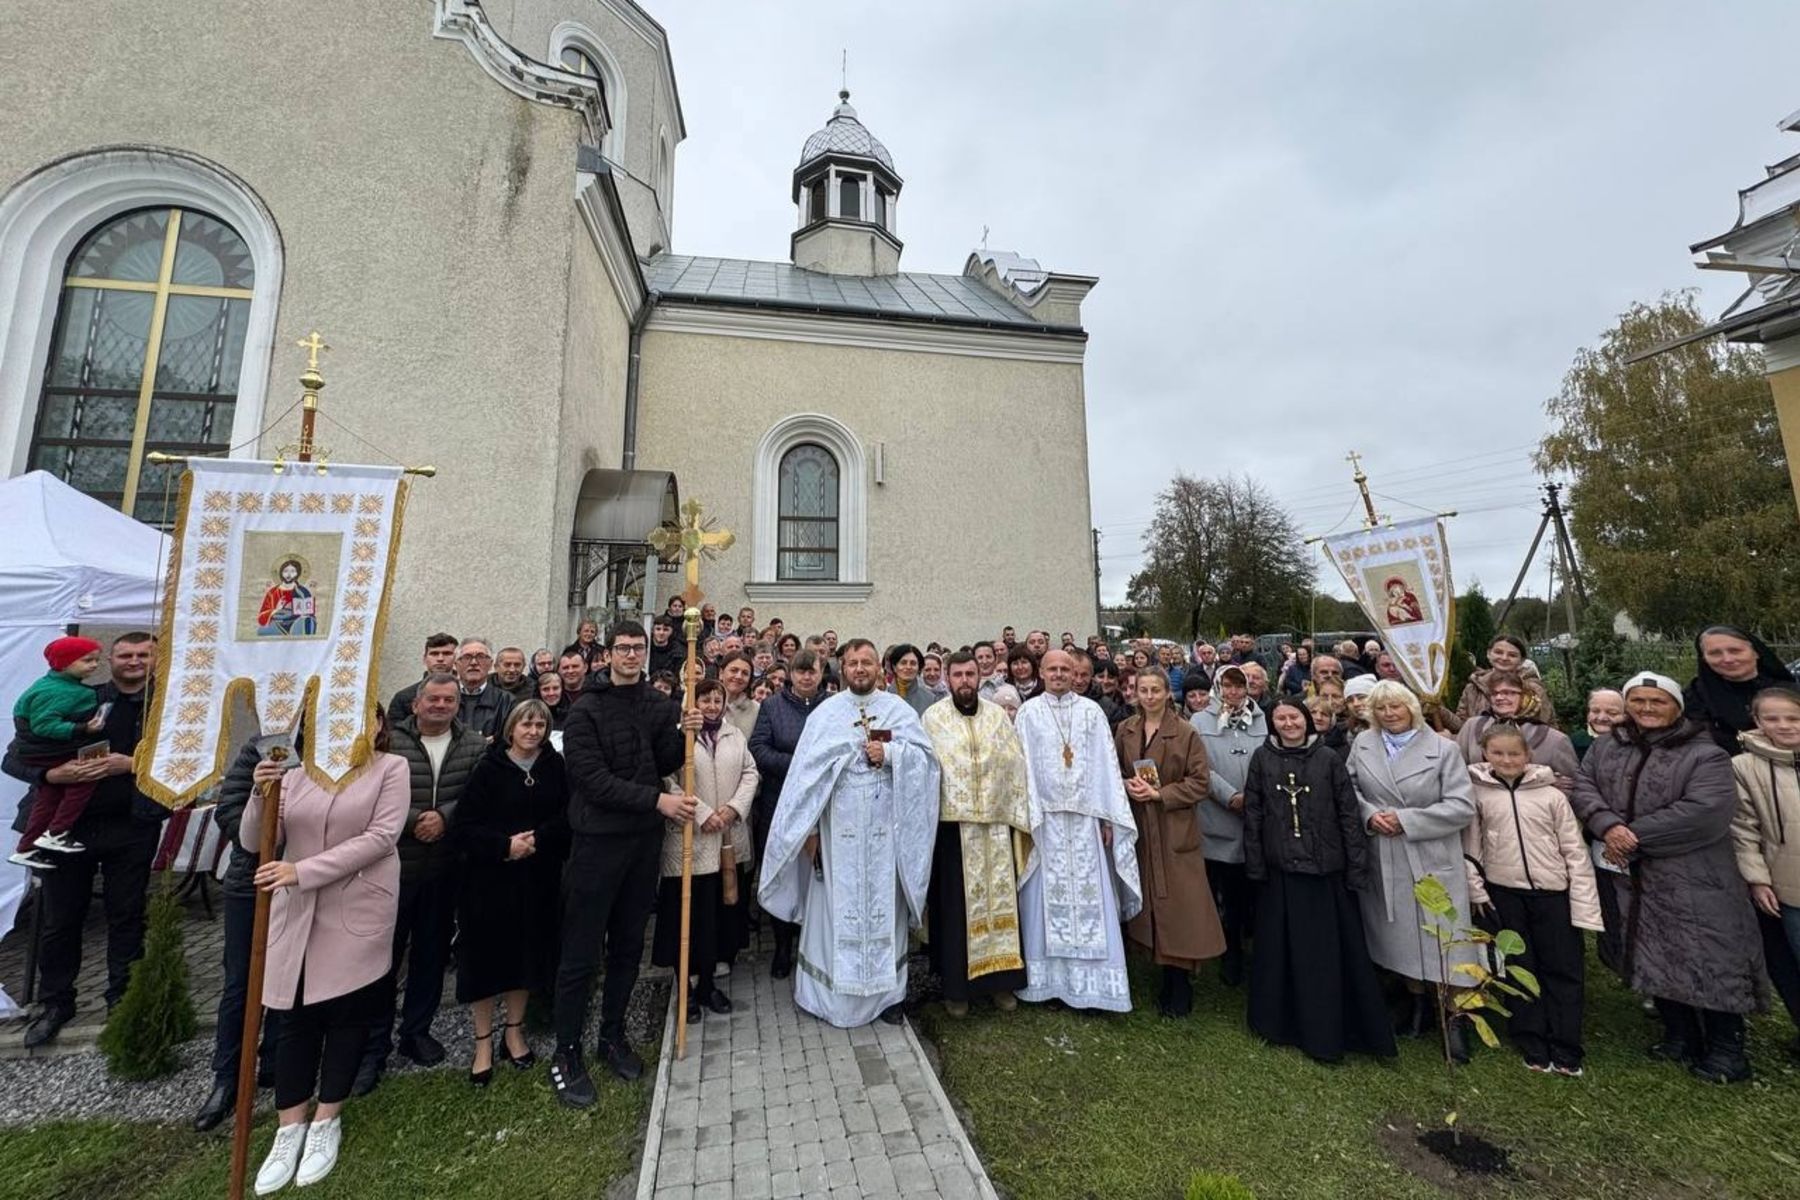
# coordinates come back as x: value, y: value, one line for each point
x: 253, y: 991
x: 690, y: 622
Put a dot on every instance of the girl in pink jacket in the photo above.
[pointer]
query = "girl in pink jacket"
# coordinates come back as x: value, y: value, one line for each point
x: 1529, y: 872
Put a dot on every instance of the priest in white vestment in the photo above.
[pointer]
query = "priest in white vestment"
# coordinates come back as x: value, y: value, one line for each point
x: 1082, y: 880
x: 849, y: 854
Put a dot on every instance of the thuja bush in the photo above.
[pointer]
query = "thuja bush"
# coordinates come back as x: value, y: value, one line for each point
x: 156, y: 1013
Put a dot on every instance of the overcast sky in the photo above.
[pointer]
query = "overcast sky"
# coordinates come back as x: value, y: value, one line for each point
x: 1317, y: 226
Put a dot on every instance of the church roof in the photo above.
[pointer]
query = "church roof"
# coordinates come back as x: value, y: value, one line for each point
x: 844, y: 134
x: 952, y: 298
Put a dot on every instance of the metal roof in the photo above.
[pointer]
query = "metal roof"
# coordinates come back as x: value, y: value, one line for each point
x: 845, y: 134
x: 952, y: 298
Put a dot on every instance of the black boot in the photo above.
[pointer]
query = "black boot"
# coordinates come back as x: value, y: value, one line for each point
x: 1420, y: 1019
x: 1231, y: 966
x: 1178, y: 992
x: 1682, y: 1039
x: 1725, y: 1060
x: 1456, y: 1042
x: 218, y: 1106
x: 783, y: 963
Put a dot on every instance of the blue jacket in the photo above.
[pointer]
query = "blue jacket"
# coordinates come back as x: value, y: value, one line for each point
x: 777, y: 731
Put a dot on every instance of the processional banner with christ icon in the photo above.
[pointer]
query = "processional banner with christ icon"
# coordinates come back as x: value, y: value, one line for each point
x: 277, y: 592
x: 1400, y: 576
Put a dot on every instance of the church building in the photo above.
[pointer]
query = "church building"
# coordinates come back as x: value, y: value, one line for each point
x: 474, y: 203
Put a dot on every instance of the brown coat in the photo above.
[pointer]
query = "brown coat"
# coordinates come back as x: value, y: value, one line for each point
x: 1179, y: 922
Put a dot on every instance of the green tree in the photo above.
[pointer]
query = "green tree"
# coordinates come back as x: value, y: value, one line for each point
x: 1222, y: 554
x: 1681, y: 507
x: 1474, y: 634
x: 1599, y: 654
x: 1526, y: 618
x: 156, y: 1014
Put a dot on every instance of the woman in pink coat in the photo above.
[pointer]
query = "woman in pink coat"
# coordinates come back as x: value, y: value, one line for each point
x: 331, y: 932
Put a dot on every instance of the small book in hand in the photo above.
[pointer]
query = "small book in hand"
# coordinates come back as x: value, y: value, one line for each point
x: 1145, y: 769
x: 93, y: 750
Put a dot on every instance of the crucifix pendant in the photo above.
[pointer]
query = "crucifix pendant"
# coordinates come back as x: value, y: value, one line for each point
x: 1068, y: 756
x: 1294, y: 790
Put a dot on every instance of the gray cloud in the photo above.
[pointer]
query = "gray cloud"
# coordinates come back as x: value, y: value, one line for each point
x: 1308, y: 220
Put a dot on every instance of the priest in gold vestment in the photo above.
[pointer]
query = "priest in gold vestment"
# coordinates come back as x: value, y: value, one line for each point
x: 983, y: 842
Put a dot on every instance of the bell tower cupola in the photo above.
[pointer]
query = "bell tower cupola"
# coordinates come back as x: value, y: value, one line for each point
x: 846, y: 190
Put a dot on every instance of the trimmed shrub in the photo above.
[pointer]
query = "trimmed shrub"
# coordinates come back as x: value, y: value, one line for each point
x: 156, y: 1013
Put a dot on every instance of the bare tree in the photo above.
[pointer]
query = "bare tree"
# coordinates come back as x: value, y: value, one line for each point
x: 1221, y: 553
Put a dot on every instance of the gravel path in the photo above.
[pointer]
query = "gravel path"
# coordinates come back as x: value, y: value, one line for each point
x: 77, y: 1085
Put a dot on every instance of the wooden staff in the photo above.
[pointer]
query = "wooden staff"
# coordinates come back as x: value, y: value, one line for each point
x: 690, y: 621
x: 259, y: 953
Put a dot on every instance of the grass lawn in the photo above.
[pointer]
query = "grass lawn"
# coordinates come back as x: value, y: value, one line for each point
x: 420, y: 1135
x: 1064, y: 1106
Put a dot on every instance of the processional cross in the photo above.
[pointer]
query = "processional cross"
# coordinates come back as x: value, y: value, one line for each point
x: 1294, y: 791
x: 695, y: 538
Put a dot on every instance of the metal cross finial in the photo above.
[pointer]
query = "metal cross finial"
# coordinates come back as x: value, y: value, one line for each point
x: 312, y: 344
x: 1355, y: 461
x: 695, y: 538
x: 844, y: 71
x: 984, y: 237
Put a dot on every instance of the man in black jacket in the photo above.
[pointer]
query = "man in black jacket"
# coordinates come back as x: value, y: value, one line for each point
x: 484, y: 705
x: 619, y: 740
x: 441, y: 752
x: 118, y: 832
x: 238, y: 903
x: 440, y: 656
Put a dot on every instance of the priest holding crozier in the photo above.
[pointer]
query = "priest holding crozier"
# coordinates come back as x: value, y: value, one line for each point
x: 849, y: 854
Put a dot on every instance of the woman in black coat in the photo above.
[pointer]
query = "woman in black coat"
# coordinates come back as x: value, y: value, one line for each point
x: 779, y: 723
x: 1732, y: 667
x: 512, y: 830
x: 1312, y: 983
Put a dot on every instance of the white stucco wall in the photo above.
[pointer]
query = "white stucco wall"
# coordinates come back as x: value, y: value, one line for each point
x: 983, y: 520
x: 429, y: 233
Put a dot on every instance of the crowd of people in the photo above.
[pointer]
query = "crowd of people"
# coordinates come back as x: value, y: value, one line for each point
x: 1043, y: 807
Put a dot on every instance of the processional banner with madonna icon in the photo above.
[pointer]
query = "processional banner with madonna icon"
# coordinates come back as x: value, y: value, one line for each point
x: 1400, y: 576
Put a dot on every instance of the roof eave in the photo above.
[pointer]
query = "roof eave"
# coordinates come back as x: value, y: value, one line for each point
x: 1038, y: 328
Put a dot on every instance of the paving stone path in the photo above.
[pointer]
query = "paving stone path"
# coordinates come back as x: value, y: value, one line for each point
x: 772, y: 1103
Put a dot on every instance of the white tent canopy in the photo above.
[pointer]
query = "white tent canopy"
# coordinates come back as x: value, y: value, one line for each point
x: 65, y: 559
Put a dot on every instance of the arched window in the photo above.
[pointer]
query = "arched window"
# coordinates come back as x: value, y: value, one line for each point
x: 146, y: 354
x: 574, y: 47
x: 809, y: 513
x: 807, y: 547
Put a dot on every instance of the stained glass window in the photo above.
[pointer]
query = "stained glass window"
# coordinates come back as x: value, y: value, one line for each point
x: 807, y: 539
x: 148, y: 347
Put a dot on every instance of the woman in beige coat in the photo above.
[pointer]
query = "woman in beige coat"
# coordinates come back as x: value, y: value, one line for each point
x: 1765, y: 834
x: 725, y: 779
x: 331, y: 931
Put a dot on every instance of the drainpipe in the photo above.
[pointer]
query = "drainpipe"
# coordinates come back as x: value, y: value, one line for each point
x: 628, y: 460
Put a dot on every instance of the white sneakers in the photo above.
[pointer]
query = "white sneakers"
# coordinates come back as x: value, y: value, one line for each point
x: 322, y: 1139
x: 278, y: 1169
x: 59, y: 842
x: 302, y: 1154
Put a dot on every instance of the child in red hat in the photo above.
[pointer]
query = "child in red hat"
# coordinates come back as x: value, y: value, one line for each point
x: 52, y: 721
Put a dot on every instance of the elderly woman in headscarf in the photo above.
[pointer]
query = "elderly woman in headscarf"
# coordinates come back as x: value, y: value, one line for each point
x: 1660, y: 795
x: 1733, y: 667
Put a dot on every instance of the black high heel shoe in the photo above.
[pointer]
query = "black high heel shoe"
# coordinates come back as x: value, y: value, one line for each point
x: 482, y: 1078
x: 523, y: 1062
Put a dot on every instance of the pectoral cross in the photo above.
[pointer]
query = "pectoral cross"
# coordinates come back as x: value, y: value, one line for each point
x: 1294, y: 791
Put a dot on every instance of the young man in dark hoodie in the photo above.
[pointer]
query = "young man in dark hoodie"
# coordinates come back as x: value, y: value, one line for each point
x: 619, y: 741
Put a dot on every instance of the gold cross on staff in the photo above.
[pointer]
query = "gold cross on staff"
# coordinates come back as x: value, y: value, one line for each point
x: 694, y: 537
x: 312, y: 344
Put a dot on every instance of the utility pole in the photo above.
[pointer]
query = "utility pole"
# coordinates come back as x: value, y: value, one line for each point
x: 1099, y: 626
x: 1562, y: 557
